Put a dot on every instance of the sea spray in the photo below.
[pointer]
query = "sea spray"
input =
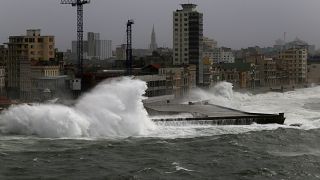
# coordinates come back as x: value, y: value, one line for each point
x: 112, y: 109
x: 293, y: 103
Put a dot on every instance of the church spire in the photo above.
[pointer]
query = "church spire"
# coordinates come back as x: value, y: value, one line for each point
x: 153, y: 44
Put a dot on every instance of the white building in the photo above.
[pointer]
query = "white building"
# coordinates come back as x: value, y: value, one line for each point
x: 94, y: 48
x: 105, y: 49
x: 188, y: 38
x: 223, y: 55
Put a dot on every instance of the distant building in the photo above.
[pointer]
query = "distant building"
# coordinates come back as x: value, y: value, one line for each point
x: 121, y: 52
x: 105, y: 49
x: 3, y: 55
x: 94, y: 48
x: 223, y: 55
x: 188, y: 38
x: 23, y: 50
x: 209, y: 44
x: 93, y: 44
x: 294, y: 63
x: 313, y: 73
x: 153, y: 44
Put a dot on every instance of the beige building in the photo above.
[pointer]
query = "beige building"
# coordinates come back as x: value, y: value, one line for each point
x: 31, y: 74
x: 179, y: 80
x: 294, y: 63
x: 313, y: 73
x: 23, y: 50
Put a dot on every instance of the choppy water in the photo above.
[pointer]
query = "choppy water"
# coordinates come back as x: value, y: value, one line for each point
x: 109, y: 136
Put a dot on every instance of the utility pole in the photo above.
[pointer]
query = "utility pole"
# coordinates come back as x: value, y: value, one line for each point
x: 129, y: 47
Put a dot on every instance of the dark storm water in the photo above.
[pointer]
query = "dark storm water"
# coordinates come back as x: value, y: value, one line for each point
x: 275, y: 154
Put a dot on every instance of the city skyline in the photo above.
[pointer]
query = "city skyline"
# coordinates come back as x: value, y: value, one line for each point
x: 233, y: 24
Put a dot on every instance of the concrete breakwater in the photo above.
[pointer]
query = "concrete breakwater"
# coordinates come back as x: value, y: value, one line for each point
x: 205, y: 113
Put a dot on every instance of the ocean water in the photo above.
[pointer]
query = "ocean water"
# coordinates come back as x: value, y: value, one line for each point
x: 108, y: 134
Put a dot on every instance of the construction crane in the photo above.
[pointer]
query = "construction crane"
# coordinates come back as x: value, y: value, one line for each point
x: 79, y: 4
x: 129, y: 47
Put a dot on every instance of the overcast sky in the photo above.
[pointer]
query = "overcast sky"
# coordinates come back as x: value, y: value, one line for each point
x: 233, y: 23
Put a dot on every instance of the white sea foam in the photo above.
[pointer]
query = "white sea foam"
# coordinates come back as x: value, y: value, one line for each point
x: 112, y: 109
x: 293, y: 103
x: 301, y: 106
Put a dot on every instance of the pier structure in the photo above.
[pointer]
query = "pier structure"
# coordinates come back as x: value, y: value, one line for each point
x: 205, y: 113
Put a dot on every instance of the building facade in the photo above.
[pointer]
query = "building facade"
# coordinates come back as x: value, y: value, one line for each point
x: 223, y: 55
x: 22, y: 50
x: 294, y: 63
x: 188, y: 38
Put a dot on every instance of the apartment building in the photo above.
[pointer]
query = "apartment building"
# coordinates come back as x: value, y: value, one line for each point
x: 188, y: 38
x: 294, y: 63
x: 22, y: 50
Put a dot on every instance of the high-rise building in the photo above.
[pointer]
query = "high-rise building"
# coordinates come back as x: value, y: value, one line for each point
x: 188, y: 38
x: 93, y: 44
x: 105, y: 49
x: 94, y: 48
x: 23, y: 50
x: 153, y: 44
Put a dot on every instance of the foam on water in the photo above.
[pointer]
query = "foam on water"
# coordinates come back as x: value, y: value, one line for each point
x: 115, y: 109
x: 300, y: 106
x: 112, y: 109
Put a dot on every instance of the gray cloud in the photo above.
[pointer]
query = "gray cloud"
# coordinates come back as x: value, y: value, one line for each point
x: 233, y: 23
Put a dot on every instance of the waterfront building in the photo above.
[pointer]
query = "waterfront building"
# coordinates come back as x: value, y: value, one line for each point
x: 313, y: 73
x: 156, y: 85
x: 188, y: 38
x: 22, y: 50
x: 294, y: 62
x: 179, y: 80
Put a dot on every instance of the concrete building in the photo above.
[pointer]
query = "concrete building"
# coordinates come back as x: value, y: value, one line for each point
x: 121, y: 52
x: 30, y: 72
x: 313, y: 73
x: 23, y: 50
x: 294, y: 63
x: 105, y: 49
x: 156, y: 85
x: 153, y: 45
x: 179, y: 80
x: 94, y: 48
x: 3, y: 55
x: 209, y: 44
x: 223, y: 55
x: 49, y: 87
x: 93, y: 44
x: 188, y: 38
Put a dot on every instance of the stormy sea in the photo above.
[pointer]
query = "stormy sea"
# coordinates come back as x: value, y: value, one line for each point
x: 107, y: 134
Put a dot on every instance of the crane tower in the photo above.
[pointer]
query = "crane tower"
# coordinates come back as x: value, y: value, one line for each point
x: 79, y: 4
x: 129, y: 47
